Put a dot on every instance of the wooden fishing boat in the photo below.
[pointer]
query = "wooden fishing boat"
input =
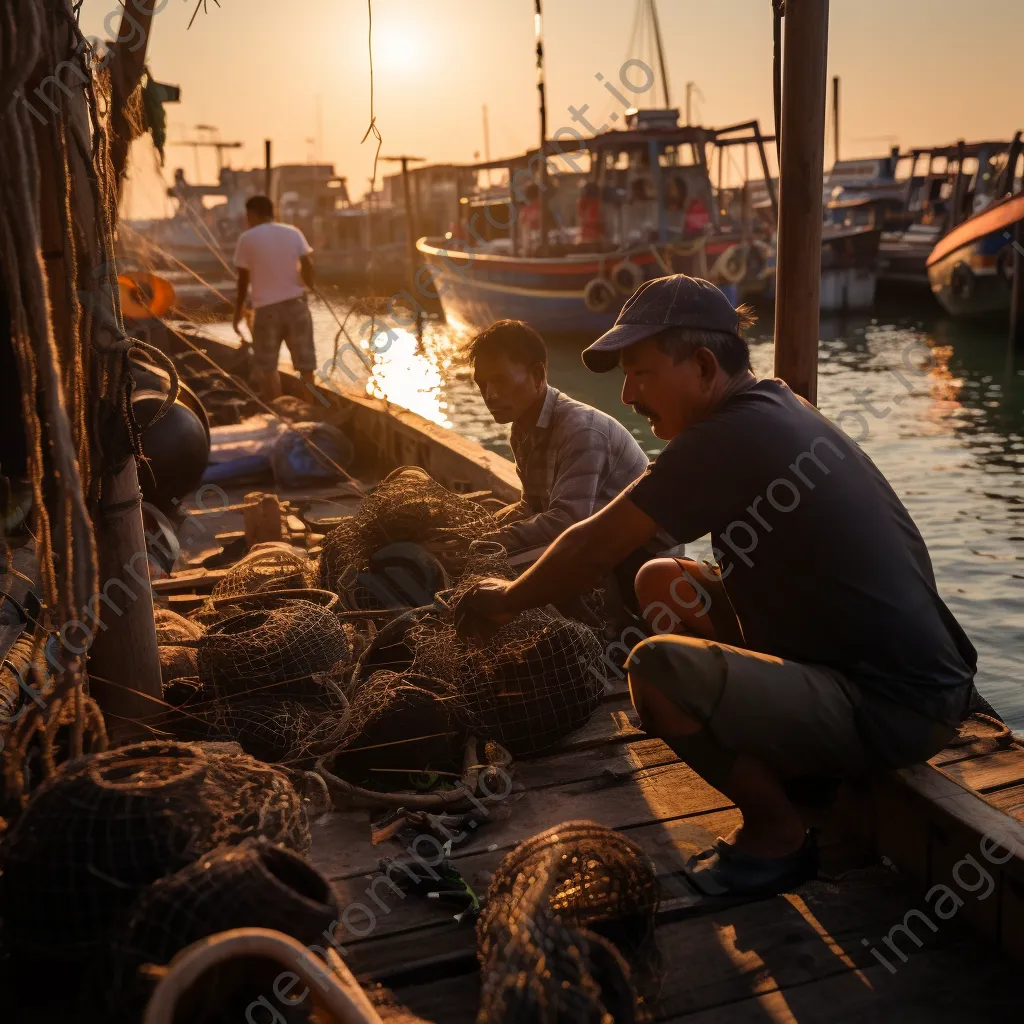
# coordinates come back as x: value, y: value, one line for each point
x: 865, y: 940
x: 849, y: 252
x: 971, y: 268
x: 654, y: 213
x: 942, y: 186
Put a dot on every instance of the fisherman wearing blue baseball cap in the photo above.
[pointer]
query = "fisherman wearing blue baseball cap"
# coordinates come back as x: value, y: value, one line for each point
x: 816, y: 644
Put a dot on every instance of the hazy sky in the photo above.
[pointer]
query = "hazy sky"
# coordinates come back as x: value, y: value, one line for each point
x: 913, y: 72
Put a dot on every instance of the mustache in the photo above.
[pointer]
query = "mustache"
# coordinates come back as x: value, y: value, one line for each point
x: 642, y: 410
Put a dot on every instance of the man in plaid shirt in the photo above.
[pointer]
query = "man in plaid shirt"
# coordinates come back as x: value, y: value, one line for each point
x: 572, y: 459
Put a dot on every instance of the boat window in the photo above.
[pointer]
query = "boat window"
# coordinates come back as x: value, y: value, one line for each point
x: 904, y: 168
x: 669, y: 156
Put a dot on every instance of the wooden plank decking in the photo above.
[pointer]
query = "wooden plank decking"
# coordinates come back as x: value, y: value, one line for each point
x: 799, y: 957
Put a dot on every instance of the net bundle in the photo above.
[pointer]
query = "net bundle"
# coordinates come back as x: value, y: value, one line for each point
x: 546, y: 939
x: 292, y: 732
x: 272, y: 650
x: 251, y: 885
x: 402, y: 726
x: 109, y: 825
x: 407, y: 507
x: 530, y: 684
x: 265, y: 568
x: 176, y: 662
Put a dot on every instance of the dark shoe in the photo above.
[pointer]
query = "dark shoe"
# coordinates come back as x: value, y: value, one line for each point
x: 723, y: 870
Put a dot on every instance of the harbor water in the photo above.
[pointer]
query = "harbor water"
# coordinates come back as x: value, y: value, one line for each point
x: 931, y: 401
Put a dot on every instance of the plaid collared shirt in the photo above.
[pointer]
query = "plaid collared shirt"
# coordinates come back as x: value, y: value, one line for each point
x: 572, y: 463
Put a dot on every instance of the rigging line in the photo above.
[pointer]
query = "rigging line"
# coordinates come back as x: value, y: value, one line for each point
x: 215, y: 248
x: 372, y: 129
x: 184, y: 266
x: 259, y: 401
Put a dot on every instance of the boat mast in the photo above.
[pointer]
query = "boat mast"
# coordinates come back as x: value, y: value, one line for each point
x: 801, y: 185
x: 835, y: 119
x: 652, y: 6
x: 542, y: 179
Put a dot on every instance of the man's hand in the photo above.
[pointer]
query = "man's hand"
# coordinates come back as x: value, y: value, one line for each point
x: 483, y: 608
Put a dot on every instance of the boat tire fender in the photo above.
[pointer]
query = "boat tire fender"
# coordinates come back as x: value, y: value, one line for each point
x: 627, y: 277
x: 599, y: 295
x: 961, y: 281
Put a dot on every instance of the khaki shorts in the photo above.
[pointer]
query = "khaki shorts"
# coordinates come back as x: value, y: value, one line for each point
x: 287, y: 321
x: 799, y: 719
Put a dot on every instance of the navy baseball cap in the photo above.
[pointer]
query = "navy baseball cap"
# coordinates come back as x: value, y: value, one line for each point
x: 676, y: 301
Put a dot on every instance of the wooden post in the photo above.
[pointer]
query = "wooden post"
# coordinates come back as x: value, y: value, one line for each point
x: 126, y: 71
x: 801, y: 182
x: 766, y: 170
x: 542, y: 183
x: 1017, y: 298
x: 124, y: 650
x: 268, y: 168
x: 124, y: 660
x: 262, y: 518
x: 410, y: 215
x: 957, y: 198
x: 835, y: 119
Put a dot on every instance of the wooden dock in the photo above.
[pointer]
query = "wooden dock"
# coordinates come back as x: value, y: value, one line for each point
x: 797, y: 957
x: 816, y: 954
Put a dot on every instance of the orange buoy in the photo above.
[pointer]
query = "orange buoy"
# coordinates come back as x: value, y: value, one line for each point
x: 144, y: 295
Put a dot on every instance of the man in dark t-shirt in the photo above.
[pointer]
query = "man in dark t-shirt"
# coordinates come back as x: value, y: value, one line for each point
x: 816, y: 644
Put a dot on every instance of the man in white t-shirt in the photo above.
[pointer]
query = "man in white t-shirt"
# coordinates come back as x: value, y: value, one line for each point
x: 274, y: 258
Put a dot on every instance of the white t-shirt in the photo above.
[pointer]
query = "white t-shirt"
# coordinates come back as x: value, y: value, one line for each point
x: 271, y: 253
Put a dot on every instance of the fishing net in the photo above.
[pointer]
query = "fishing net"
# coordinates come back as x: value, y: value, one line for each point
x: 271, y: 650
x: 407, y: 508
x: 176, y: 662
x: 252, y: 885
x: 403, y: 734
x: 389, y: 1009
x: 530, y: 684
x: 265, y: 568
x: 546, y: 937
x: 294, y: 733
x: 107, y: 826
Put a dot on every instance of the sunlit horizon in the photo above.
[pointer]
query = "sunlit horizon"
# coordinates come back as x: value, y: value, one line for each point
x: 299, y: 75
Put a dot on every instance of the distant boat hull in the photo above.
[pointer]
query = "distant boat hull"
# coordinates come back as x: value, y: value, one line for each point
x: 970, y: 270
x: 849, y: 275
x: 550, y: 293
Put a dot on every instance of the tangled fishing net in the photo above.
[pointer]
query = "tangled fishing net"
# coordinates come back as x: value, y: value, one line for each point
x: 271, y: 650
x: 546, y: 938
x: 265, y: 568
x: 107, y: 826
x: 407, y: 508
x: 534, y: 681
x: 176, y: 662
x: 251, y: 885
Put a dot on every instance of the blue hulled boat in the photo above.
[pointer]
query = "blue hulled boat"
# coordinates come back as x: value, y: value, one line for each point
x: 644, y: 209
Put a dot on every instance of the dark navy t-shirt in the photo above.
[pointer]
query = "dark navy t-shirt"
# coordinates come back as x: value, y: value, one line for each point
x: 820, y: 559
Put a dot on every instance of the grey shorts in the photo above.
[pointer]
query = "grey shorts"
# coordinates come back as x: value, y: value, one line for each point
x: 287, y: 321
x: 799, y: 719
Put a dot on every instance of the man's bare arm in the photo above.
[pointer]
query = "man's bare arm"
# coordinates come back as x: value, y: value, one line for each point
x: 582, y: 556
x: 308, y: 276
x: 240, y: 293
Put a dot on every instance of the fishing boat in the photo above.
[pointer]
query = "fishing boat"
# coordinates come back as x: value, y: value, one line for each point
x: 647, y: 208
x: 940, y: 187
x: 971, y: 269
x: 850, y: 240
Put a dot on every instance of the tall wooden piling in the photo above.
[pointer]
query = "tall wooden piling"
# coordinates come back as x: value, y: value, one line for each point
x: 1017, y: 297
x: 801, y: 183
